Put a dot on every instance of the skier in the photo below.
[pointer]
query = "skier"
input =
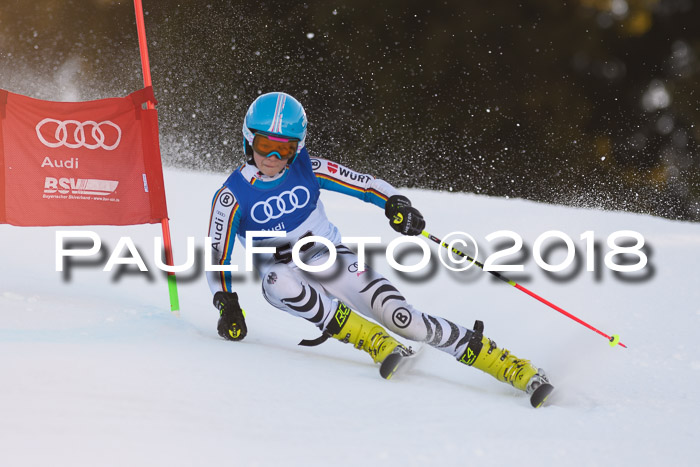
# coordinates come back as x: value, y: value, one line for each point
x: 278, y: 189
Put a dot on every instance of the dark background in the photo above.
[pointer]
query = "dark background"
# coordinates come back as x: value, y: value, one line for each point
x: 586, y: 102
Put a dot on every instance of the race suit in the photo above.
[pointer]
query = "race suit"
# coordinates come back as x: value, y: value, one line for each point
x: 289, y: 202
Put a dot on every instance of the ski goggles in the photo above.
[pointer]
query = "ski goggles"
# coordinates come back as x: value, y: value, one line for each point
x: 266, y: 146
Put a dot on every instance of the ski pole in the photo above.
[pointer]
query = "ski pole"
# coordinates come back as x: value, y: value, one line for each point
x: 614, y: 339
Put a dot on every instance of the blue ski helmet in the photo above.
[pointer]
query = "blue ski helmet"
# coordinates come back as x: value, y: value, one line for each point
x: 276, y: 114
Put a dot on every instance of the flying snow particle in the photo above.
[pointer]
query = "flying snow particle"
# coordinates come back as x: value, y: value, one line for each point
x: 656, y: 96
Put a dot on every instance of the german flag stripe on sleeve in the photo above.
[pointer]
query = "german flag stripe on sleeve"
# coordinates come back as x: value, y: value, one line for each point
x: 368, y: 194
x: 228, y: 246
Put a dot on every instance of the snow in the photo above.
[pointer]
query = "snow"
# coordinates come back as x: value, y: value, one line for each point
x: 95, y: 369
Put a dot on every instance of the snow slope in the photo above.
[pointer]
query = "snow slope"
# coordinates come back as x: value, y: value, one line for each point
x: 95, y: 369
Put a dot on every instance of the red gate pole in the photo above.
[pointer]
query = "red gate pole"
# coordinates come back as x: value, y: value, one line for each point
x: 145, y: 65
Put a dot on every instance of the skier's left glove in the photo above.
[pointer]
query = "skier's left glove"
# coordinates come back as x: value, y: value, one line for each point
x: 231, y: 324
x: 403, y: 217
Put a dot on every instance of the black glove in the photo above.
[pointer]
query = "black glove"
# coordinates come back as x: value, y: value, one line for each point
x: 231, y: 324
x: 403, y: 218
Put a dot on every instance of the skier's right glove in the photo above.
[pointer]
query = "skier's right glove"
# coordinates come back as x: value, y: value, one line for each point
x: 403, y: 217
x: 231, y: 324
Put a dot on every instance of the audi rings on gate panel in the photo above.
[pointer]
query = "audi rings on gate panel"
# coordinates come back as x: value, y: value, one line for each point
x: 63, y: 130
x: 284, y: 203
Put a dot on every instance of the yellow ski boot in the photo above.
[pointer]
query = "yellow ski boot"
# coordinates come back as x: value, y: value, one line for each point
x: 350, y: 327
x: 484, y: 354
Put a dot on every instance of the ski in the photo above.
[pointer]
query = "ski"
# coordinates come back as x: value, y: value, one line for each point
x: 540, y: 395
x: 396, y: 361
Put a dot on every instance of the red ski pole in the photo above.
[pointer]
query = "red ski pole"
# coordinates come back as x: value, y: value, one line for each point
x: 614, y: 339
x: 165, y: 224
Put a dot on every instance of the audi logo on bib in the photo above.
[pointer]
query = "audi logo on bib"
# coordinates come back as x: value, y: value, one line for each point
x: 75, y: 134
x: 275, y: 207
